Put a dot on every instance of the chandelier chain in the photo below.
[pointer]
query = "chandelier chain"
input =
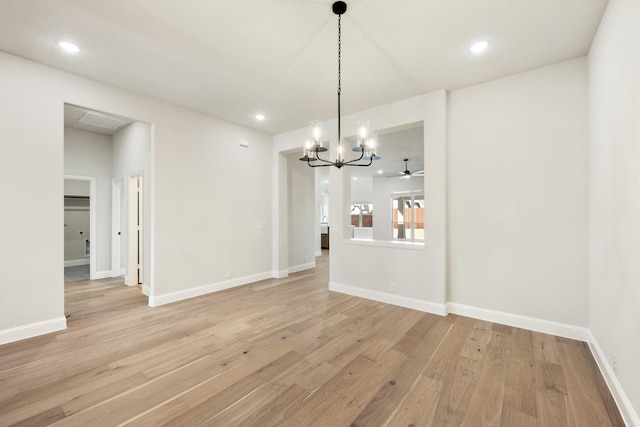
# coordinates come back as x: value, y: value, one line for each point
x: 339, y: 75
x: 311, y: 152
x: 339, y: 53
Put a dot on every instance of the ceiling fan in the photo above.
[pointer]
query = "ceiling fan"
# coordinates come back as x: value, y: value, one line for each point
x: 406, y: 173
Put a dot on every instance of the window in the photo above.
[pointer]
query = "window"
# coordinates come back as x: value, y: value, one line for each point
x: 362, y: 215
x: 407, y: 216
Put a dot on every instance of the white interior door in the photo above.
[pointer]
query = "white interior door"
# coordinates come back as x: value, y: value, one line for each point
x: 118, y: 215
x: 135, y: 274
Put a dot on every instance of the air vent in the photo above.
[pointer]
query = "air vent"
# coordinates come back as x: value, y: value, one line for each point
x: 101, y: 120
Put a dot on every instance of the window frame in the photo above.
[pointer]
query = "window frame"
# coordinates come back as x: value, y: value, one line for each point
x: 404, y: 195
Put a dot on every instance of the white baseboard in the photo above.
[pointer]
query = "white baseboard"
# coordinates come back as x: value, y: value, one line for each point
x: 302, y: 267
x: 146, y: 290
x: 524, y: 322
x: 76, y: 262
x: 116, y: 273
x: 415, y: 304
x: 530, y: 323
x: 319, y: 253
x: 102, y: 275
x: 627, y: 412
x: 157, y: 300
x: 280, y: 274
x: 32, y: 330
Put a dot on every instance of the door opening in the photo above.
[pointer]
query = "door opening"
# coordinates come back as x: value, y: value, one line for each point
x: 79, y: 227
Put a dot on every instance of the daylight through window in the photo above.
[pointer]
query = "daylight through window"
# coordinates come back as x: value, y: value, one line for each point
x: 407, y: 216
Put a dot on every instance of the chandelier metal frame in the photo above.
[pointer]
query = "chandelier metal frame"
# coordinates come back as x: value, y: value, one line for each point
x: 365, y: 143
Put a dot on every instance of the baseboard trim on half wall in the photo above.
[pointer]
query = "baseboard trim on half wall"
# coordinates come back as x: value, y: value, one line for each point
x: 302, y: 267
x: 281, y: 274
x: 197, y: 291
x: 32, y: 330
x: 524, y: 322
x: 102, y: 275
x: 416, y: 304
x: 532, y: 324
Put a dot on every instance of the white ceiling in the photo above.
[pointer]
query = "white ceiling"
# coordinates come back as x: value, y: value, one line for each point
x: 232, y: 59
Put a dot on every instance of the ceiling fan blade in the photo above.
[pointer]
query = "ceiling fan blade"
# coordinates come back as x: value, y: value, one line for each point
x: 393, y: 174
x: 406, y: 173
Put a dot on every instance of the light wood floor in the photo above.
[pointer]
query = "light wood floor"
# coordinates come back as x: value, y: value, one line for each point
x: 290, y: 353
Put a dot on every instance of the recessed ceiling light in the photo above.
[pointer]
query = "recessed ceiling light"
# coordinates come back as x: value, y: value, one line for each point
x: 259, y: 117
x: 69, y: 47
x: 355, y: 178
x: 380, y: 172
x: 479, y: 47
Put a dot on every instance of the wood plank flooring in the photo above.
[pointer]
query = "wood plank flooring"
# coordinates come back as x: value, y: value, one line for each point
x: 290, y: 353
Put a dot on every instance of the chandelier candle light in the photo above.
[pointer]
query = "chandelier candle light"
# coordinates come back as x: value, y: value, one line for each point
x: 365, y: 140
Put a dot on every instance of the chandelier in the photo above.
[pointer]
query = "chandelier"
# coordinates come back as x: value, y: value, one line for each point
x: 365, y: 140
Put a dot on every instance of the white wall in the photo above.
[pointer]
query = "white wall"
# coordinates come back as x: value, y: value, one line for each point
x: 201, y: 182
x: 131, y: 150
x: 614, y: 196
x: 89, y: 154
x: 362, y: 190
x: 213, y: 202
x: 32, y: 161
x: 324, y: 207
x: 418, y: 273
x: 518, y: 194
x: 302, y: 214
x: 131, y: 157
x: 280, y: 215
x: 76, y: 187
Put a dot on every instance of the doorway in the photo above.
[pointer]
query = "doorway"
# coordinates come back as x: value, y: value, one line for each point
x: 118, y: 151
x: 79, y: 227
